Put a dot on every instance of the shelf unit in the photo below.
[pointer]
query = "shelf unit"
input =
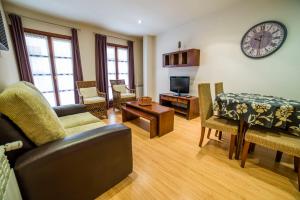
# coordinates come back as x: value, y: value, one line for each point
x: 189, y: 107
x: 184, y: 58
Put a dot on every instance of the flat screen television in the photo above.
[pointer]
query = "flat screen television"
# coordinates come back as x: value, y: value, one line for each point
x: 180, y: 84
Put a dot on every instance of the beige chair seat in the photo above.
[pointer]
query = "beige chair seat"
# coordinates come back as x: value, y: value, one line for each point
x: 82, y: 128
x: 79, y: 119
x: 225, y: 125
x: 127, y: 95
x: 276, y: 140
x: 92, y: 100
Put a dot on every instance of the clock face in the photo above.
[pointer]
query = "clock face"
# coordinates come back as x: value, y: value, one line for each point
x: 263, y: 39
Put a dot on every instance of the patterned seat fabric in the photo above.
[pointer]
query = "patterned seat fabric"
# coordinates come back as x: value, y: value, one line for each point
x: 276, y: 140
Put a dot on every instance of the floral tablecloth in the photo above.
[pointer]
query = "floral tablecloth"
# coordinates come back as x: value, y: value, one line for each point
x: 255, y: 109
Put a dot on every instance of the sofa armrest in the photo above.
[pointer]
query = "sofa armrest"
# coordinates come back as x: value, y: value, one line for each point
x: 69, y: 109
x: 82, y: 166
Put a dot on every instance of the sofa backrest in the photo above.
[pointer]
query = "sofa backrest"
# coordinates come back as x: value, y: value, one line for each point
x: 9, y: 132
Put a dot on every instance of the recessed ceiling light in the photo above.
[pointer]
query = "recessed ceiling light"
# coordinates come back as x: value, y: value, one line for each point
x: 139, y: 21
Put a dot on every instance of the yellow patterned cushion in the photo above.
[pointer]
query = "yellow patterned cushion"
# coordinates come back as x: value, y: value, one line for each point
x: 127, y: 95
x: 120, y: 88
x: 92, y: 100
x: 79, y: 119
x: 275, y: 140
x: 82, y: 128
x: 89, y: 92
x: 31, y: 112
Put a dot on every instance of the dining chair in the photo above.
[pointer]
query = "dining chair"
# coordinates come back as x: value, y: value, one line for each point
x: 279, y: 141
x: 208, y: 120
x: 218, y: 90
x: 90, y: 96
x: 121, y: 93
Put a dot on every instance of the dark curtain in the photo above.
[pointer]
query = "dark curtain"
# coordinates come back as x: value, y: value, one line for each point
x: 131, y: 65
x: 77, y: 69
x: 101, y: 64
x: 22, y: 57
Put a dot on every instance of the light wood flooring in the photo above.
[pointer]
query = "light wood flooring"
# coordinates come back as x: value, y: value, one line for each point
x: 175, y: 167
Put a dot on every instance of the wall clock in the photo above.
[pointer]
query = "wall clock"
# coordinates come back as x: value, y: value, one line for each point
x: 263, y: 39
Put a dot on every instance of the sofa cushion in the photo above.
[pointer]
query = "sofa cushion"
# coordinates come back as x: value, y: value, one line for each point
x: 79, y: 119
x: 31, y: 112
x: 86, y: 127
x: 120, y: 88
x: 88, y: 92
x: 92, y: 100
x: 127, y: 95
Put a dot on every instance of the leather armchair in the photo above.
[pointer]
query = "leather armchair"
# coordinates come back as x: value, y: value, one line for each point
x: 82, y: 166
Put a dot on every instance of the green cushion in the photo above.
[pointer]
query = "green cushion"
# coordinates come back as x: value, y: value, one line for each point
x: 31, y: 112
x: 86, y: 127
x: 79, y: 119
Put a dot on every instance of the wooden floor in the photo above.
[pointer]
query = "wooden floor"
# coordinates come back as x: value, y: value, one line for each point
x: 175, y: 167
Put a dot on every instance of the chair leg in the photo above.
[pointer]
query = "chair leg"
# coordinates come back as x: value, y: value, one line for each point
x: 202, y: 136
x: 231, y: 147
x: 296, y: 164
x: 297, y: 169
x: 216, y: 133
x: 245, y: 153
x: 278, y: 156
x: 220, y: 135
x: 208, y: 134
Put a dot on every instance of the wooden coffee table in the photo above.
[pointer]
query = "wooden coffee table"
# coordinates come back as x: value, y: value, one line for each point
x: 161, y: 117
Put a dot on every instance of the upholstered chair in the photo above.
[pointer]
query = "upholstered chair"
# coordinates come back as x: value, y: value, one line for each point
x: 208, y: 120
x: 279, y: 141
x: 90, y: 96
x: 218, y: 90
x: 121, y: 93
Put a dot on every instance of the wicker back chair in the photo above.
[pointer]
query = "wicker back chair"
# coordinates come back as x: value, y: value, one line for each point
x: 219, y: 88
x: 280, y: 141
x: 213, y: 122
x: 90, y: 96
x: 121, y: 96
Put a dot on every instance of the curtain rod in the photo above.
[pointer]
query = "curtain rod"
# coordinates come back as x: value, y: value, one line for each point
x: 68, y: 26
x: 121, y: 38
x: 40, y: 20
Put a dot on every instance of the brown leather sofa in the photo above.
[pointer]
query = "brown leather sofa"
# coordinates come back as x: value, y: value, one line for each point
x: 82, y: 166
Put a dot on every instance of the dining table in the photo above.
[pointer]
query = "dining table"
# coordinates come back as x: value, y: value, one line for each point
x: 258, y: 110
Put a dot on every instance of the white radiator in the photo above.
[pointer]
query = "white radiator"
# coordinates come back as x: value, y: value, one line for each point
x: 9, y: 189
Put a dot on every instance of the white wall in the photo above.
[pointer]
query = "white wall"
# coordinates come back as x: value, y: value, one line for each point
x: 86, y: 37
x: 149, y: 65
x: 8, y: 66
x: 218, y: 36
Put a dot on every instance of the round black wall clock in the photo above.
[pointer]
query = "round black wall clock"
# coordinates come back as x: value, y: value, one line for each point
x: 263, y: 39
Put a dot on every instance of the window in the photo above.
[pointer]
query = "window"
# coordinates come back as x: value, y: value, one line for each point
x: 117, y: 64
x: 52, y: 66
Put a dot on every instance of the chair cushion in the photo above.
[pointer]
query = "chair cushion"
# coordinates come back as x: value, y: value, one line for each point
x: 275, y: 140
x: 92, y: 100
x: 86, y: 127
x: 79, y: 119
x: 221, y: 124
x: 127, y: 95
x: 120, y: 88
x: 31, y: 112
x: 88, y: 92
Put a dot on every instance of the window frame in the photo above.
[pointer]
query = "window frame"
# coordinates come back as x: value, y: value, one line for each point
x: 116, y: 47
x: 51, y: 56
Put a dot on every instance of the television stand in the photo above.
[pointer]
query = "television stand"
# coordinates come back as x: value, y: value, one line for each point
x: 189, y: 107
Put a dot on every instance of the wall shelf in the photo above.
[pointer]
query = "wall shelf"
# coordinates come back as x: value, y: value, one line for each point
x: 184, y: 58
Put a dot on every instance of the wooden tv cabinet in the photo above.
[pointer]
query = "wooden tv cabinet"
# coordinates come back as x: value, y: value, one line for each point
x: 183, y: 105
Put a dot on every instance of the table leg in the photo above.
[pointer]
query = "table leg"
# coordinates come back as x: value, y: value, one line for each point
x: 240, y: 138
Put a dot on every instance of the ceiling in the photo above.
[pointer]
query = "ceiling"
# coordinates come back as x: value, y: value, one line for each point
x: 123, y: 15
